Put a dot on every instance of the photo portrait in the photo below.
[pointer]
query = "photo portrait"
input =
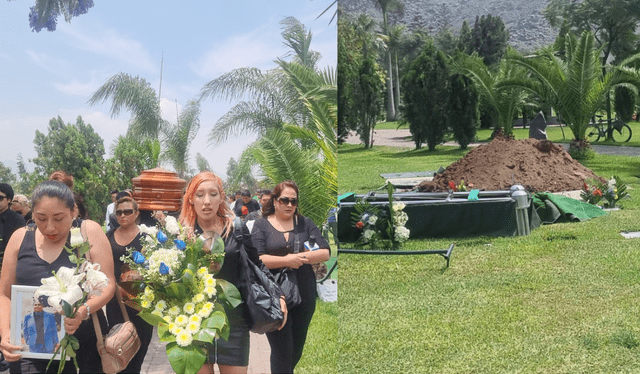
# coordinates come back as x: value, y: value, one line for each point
x: 34, y: 326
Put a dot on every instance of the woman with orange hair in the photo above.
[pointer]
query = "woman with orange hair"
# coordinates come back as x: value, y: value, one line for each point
x: 205, y: 211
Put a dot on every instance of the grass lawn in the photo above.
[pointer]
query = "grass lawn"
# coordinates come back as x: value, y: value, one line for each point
x: 562, y: 300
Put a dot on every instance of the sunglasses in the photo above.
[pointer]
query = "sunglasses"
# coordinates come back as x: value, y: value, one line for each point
x: 286, y: 201
x: 2, y: 197
x: 126, y: 212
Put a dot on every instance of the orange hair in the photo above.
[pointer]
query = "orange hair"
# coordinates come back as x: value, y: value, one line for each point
x: 188, y: 213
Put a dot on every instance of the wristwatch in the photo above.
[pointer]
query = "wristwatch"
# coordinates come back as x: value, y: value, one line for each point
x: 88, y: 311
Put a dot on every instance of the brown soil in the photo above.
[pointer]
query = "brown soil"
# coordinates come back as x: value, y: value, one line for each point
x: 536, y: 165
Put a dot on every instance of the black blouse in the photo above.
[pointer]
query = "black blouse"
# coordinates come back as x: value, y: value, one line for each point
x: 269, y: 241
x: 121, y: 250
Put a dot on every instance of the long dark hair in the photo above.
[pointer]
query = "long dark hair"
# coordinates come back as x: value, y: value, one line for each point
x: 269, y: 208
x: 54, y: 189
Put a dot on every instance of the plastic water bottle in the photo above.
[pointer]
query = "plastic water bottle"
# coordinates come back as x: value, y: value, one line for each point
x: 311, y: 244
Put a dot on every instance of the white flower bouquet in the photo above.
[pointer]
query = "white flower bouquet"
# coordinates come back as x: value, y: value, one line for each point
x: 69, y: 288
x: 179, y: 293
x: 381, y: 228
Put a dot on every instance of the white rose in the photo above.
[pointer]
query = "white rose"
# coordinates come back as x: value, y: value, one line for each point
x: 373, y: 220
x: 172, y: 225
x: 402, y: 234
x: 368, y: 234
x: 398, y: 206
x: 151, y: 230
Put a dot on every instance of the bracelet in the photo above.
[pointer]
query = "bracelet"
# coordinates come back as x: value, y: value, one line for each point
x: 88, y: 311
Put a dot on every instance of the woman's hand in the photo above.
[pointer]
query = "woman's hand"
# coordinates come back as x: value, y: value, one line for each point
x: 7, y: 348
x: 285, y: 312
x: 295, y: 260
x: 72, y: 324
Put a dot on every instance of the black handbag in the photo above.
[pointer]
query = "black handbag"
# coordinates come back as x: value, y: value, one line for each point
x: 288, y: 282
x: 260, y: 293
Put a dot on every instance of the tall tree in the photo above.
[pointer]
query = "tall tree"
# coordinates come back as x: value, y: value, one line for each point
x: 44, y: 14
x: 424, y: 87
x: 6, y: 176
x: 78, y: 150
x: 386, y: 6
x: 130, y: 157
x: 273, y: 100
x: 202, y: 163
x: 136, y: 95
x: 395, y: 36
x: 177, y: 138
x: 489, y: 38
x: 462, y: 109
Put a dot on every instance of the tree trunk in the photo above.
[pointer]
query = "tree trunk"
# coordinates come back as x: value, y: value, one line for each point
x: 391, y: 112
x: 397, y: 87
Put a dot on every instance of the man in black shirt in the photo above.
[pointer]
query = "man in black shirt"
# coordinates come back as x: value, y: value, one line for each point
x: 10, y: 221
x: 246, y: 205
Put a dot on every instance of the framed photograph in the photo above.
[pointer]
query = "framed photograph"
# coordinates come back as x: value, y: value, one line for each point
x: 36, y: 328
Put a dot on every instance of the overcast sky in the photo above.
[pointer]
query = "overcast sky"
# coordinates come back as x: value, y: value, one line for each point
x: 49, y: 74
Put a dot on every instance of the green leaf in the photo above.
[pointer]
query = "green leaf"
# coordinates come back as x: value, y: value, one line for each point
x: 69, y: 350
x: 228, y: 292
x: 176, y: 290
x: 66, y: 308
x: 152, y: 319
x: 205, y: 335
x: 185, y: 359
x: 164, y: 334
x: 187, y: 277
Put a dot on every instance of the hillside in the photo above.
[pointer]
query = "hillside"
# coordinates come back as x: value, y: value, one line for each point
x: 527, y: 27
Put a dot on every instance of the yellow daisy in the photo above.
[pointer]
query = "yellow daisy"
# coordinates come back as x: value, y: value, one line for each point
x: 184, y: 339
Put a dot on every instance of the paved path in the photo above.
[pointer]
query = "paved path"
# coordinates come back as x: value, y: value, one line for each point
x: 156, y: 361
x: 402, y: 138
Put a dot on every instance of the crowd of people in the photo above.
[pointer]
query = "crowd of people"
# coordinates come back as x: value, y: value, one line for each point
x: 35, y: 231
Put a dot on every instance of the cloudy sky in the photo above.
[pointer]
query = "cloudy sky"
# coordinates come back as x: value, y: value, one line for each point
x: 49, y: 74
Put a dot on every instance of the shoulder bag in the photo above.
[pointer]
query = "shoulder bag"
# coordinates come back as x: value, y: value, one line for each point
x: 287, y: 279
x: 122, y: 342
x: 260, y: 293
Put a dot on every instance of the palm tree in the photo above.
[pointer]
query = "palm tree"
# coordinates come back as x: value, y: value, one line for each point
x: 395, y: 36
x: 136, y: 95
x: 306, y: 155
x: 177, y: 138
x: 575, y: 87
x: 386, y: 6
x: 273, y: 100
x: 504, y: 100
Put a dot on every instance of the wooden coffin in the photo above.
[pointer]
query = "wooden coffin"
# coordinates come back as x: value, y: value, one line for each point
x: 158, y: 189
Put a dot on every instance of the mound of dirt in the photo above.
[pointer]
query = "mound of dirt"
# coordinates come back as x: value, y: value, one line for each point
x: 537, y: 165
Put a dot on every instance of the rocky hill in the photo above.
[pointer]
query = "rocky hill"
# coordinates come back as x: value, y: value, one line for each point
x: 527, y: 26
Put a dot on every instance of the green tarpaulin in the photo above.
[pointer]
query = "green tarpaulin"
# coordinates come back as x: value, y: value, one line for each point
x: 555, y: 208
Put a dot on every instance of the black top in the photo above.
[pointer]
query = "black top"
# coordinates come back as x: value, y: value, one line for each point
x: 231, y: 266
x: 269, y: 241
x: 30, y: 268
x: 252, y: 206
x: 10, y: 221
x: 120, y: 250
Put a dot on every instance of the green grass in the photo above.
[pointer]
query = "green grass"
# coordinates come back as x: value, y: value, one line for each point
x: 562, y: 300
x: 321, y: 348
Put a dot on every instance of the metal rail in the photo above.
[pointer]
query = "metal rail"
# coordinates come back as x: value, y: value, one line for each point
x: 446, y: 253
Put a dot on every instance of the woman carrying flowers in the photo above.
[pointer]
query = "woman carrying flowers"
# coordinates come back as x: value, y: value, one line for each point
x: 274, y: 237
x: 204, y: 209
x: 35, y: 254
x: 127, y: 236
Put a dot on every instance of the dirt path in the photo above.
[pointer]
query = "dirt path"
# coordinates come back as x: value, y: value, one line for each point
x: 402, y: 138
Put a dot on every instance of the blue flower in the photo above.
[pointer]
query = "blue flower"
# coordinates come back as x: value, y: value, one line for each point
x: 162, y: 238
x: 180, y: 244
x: 138, y: 257
x: 164, y: 269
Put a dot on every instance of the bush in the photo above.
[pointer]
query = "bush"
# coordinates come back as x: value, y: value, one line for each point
x: 581, y: 150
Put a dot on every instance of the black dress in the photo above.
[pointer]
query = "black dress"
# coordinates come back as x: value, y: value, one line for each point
x: 287, y: 344
x: 235, y: 351
x: 30, y: 269
x: 114, y: 314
